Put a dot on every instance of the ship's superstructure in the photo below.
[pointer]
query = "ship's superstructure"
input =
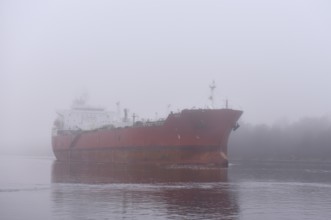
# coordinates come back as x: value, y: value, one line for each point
x: 84, y: 117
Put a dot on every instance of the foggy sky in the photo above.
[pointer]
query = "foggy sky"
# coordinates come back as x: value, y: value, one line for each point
x: 268, y: 58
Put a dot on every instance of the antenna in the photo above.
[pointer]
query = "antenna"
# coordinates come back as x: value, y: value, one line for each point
x: 118, y: 109
x: 126, y: 113
x: 212, y: 87
x: 134, y: 116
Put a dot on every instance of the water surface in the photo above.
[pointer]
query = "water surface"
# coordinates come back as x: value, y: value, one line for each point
x: 41, y: 188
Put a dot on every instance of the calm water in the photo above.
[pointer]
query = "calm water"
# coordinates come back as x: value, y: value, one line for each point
x: 39, y: 188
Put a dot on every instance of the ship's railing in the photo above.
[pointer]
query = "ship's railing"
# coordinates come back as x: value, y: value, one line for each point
x: 110, y: 126
x: 68, y: 132
x: 149, y: 123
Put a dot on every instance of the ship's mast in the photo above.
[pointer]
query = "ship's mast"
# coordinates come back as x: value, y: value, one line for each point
x: 118, y: 109
x: 134, y: 116
x: 212, y: 87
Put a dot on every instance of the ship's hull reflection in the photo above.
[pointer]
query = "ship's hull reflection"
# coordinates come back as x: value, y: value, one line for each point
x: 64, y: 172
x: 163, y: 192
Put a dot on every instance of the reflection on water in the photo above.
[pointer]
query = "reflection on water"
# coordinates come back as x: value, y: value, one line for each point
x: 38, y: 188
x: 100, y: 191
x: 110, y: 173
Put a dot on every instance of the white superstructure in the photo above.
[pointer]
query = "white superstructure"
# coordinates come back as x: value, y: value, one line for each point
x: 84, y: 118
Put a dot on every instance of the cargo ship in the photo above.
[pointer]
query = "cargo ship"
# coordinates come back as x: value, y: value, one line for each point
x: 191, y: 136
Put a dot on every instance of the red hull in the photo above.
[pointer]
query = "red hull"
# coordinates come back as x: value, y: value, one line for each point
x: 190, y: 137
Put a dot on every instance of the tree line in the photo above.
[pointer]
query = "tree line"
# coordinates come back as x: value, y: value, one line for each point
x: 306, y: 139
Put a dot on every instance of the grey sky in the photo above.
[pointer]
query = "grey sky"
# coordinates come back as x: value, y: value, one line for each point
x: 269, y: 58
